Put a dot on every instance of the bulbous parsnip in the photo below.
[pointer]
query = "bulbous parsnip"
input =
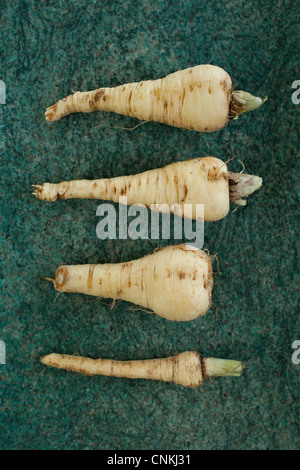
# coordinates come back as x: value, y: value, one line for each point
x: 175, y: 282
x: 178, y: 187
x: 198, y: 98
x: 188, y: 368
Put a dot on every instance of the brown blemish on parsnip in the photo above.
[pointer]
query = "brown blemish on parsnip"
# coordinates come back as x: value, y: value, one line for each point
x: 63, y: 188
x: 61, y: 277
x: 90, y: 276
x: 223, y: 84
x: 129, y: 101
x: 210, y: 279
x: 203, y: 368
x: 180, y: 247
x: 100, y: 94
x: 185, y: 189
x: 183, y: 96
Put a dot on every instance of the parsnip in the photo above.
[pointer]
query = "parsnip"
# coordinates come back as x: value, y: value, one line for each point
x: 175, y: 282
x: 199, y: 98
x: 179, y: 185
x: 188, y: 369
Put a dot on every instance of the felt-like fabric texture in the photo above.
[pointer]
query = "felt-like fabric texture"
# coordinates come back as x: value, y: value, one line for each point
x: 49, y: 49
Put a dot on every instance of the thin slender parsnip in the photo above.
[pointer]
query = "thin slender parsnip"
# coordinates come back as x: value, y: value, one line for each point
x: 179, y: 187
x: 188, y: 368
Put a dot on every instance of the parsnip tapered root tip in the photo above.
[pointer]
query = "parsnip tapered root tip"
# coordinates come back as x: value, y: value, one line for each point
x: 198, y: 98
x: 180, y: 187
x: 38, y: 189
x: 242, y: 186
x: 188, y: 369
x: 175, y: 282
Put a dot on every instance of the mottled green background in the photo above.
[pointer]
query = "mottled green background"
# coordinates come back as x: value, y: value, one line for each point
x: 50, y: 48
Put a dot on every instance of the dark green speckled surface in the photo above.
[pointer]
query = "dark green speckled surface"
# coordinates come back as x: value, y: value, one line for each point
x: 46, y: 50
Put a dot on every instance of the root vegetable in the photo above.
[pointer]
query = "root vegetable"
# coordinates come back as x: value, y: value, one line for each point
x: 179, y: 185
x: 199, y: 98
x: 188, y: 369
x: 175, y: 282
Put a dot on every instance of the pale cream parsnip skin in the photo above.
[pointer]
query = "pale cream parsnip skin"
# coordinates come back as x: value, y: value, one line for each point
x: 188, y: 369
x: 198, y: 181
x: 196, y: 98
x: 175, y: 282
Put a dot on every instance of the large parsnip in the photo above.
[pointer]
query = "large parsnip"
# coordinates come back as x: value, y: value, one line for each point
x: 175, y: 282
x: 198, y: 98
